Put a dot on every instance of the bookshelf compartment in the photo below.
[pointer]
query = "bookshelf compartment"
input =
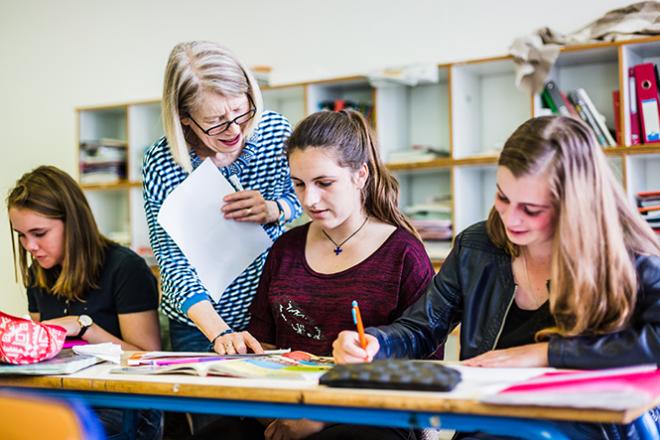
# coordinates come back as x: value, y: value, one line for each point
x: 426, y: 199
x: 423, y: 186
x: 474, y: 194
x: 146, y: 126
x: 111, y: 211
x: 594, y: 70
x: 413, y: 115
x: 103, y: 146
x: 288, y: 101
x: 100, y: 124
x: 341, y: 93
x: 642, y: 174
x: 480, y: 92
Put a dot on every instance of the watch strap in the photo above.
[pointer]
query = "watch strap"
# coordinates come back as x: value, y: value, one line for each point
x: 83, y: 328
x: 280, y: 209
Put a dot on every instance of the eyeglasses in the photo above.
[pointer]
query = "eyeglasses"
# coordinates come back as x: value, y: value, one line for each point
x: 238, y: 120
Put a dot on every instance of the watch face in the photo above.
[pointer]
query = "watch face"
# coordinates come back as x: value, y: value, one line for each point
x: 85, y: 320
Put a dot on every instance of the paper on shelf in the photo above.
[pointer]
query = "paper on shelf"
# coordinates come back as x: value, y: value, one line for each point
x: 218, y: 249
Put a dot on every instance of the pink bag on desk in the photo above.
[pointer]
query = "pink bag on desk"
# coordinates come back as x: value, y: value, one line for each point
x: 23, y: 341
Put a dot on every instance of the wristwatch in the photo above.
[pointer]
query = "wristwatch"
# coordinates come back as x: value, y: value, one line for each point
x: 85, y: 322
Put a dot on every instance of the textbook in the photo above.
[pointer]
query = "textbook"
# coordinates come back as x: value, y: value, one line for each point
x: 295, y: 365
x: 66, y: 362
x: 162, y: 358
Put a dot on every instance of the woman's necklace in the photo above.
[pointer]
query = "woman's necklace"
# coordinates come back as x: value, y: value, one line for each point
x: 338, y: 248
x: 538, y: 301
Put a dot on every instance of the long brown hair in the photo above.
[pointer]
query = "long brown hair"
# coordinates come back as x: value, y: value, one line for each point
x: 348, y: 134
x: 597, y: 233
x: 52, y: 193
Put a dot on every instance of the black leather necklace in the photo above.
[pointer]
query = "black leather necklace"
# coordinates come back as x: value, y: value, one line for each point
x: 338, y: 248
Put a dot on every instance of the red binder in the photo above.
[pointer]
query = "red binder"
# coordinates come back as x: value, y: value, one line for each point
x: 648, y: 106
x: 634, y: 116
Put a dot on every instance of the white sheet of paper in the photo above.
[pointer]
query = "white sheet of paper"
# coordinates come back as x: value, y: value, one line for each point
x: 217, y: 248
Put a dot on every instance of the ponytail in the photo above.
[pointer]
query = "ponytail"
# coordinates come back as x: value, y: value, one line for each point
x: 381, y: 191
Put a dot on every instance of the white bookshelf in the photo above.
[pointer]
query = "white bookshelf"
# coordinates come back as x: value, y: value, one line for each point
x: 470, y: 111
x: 413, y: 115
x: 486, y: 106
x: 118, y: 205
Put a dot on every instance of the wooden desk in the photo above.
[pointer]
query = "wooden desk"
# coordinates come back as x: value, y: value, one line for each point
x: 261, y: 398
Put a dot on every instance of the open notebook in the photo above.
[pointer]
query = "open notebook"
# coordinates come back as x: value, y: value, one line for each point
x: 294, y: 365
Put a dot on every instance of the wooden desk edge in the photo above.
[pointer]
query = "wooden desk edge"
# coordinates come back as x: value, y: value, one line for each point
x: 348, y: 398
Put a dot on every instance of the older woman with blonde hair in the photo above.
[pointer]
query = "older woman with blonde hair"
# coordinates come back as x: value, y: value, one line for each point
x: 212, y: 109
x: 564, y: 273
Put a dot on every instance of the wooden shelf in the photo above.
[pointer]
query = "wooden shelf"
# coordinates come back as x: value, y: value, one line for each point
x: 125, y: 184
x: 436, y: 163
x: 634, y: 149
x: 444, y: 163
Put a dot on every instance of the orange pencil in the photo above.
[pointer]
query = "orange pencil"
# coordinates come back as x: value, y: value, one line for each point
x: 357, y: 319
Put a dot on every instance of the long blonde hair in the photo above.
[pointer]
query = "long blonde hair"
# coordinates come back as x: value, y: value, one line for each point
x: 52, y: 193
x: 597, y: 232
x: 349, y: 136
x: 193, y: 68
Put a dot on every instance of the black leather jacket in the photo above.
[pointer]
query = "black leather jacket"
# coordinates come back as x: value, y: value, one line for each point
x: 475, y: 288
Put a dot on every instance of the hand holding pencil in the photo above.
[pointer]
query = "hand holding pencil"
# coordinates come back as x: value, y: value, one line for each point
x: 357, y: 319
x: 353, y: 347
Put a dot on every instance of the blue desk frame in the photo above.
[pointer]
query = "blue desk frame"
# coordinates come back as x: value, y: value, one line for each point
x: 524, y: 427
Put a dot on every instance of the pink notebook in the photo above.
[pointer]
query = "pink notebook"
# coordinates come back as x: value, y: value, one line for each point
x: 615, y: 389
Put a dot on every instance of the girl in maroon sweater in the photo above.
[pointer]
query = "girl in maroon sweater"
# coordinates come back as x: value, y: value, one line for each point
x: 358, y: 246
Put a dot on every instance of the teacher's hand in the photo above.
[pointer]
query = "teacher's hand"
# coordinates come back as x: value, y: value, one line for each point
x: 237, y: 343
x: 249, y: 206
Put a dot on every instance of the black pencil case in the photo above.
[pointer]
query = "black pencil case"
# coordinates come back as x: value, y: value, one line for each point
x: 393, y: 374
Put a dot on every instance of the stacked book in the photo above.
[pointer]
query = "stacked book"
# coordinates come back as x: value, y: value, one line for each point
x: 102, y: 161
x: 433, y: 223
x: 417, y: 153
x: 578, y: 104
x: 648, y: 204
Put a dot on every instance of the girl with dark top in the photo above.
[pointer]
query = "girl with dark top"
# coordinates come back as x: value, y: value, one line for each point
x: 97, y: 290
x: 358, y: 246
x: 564, y: 273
